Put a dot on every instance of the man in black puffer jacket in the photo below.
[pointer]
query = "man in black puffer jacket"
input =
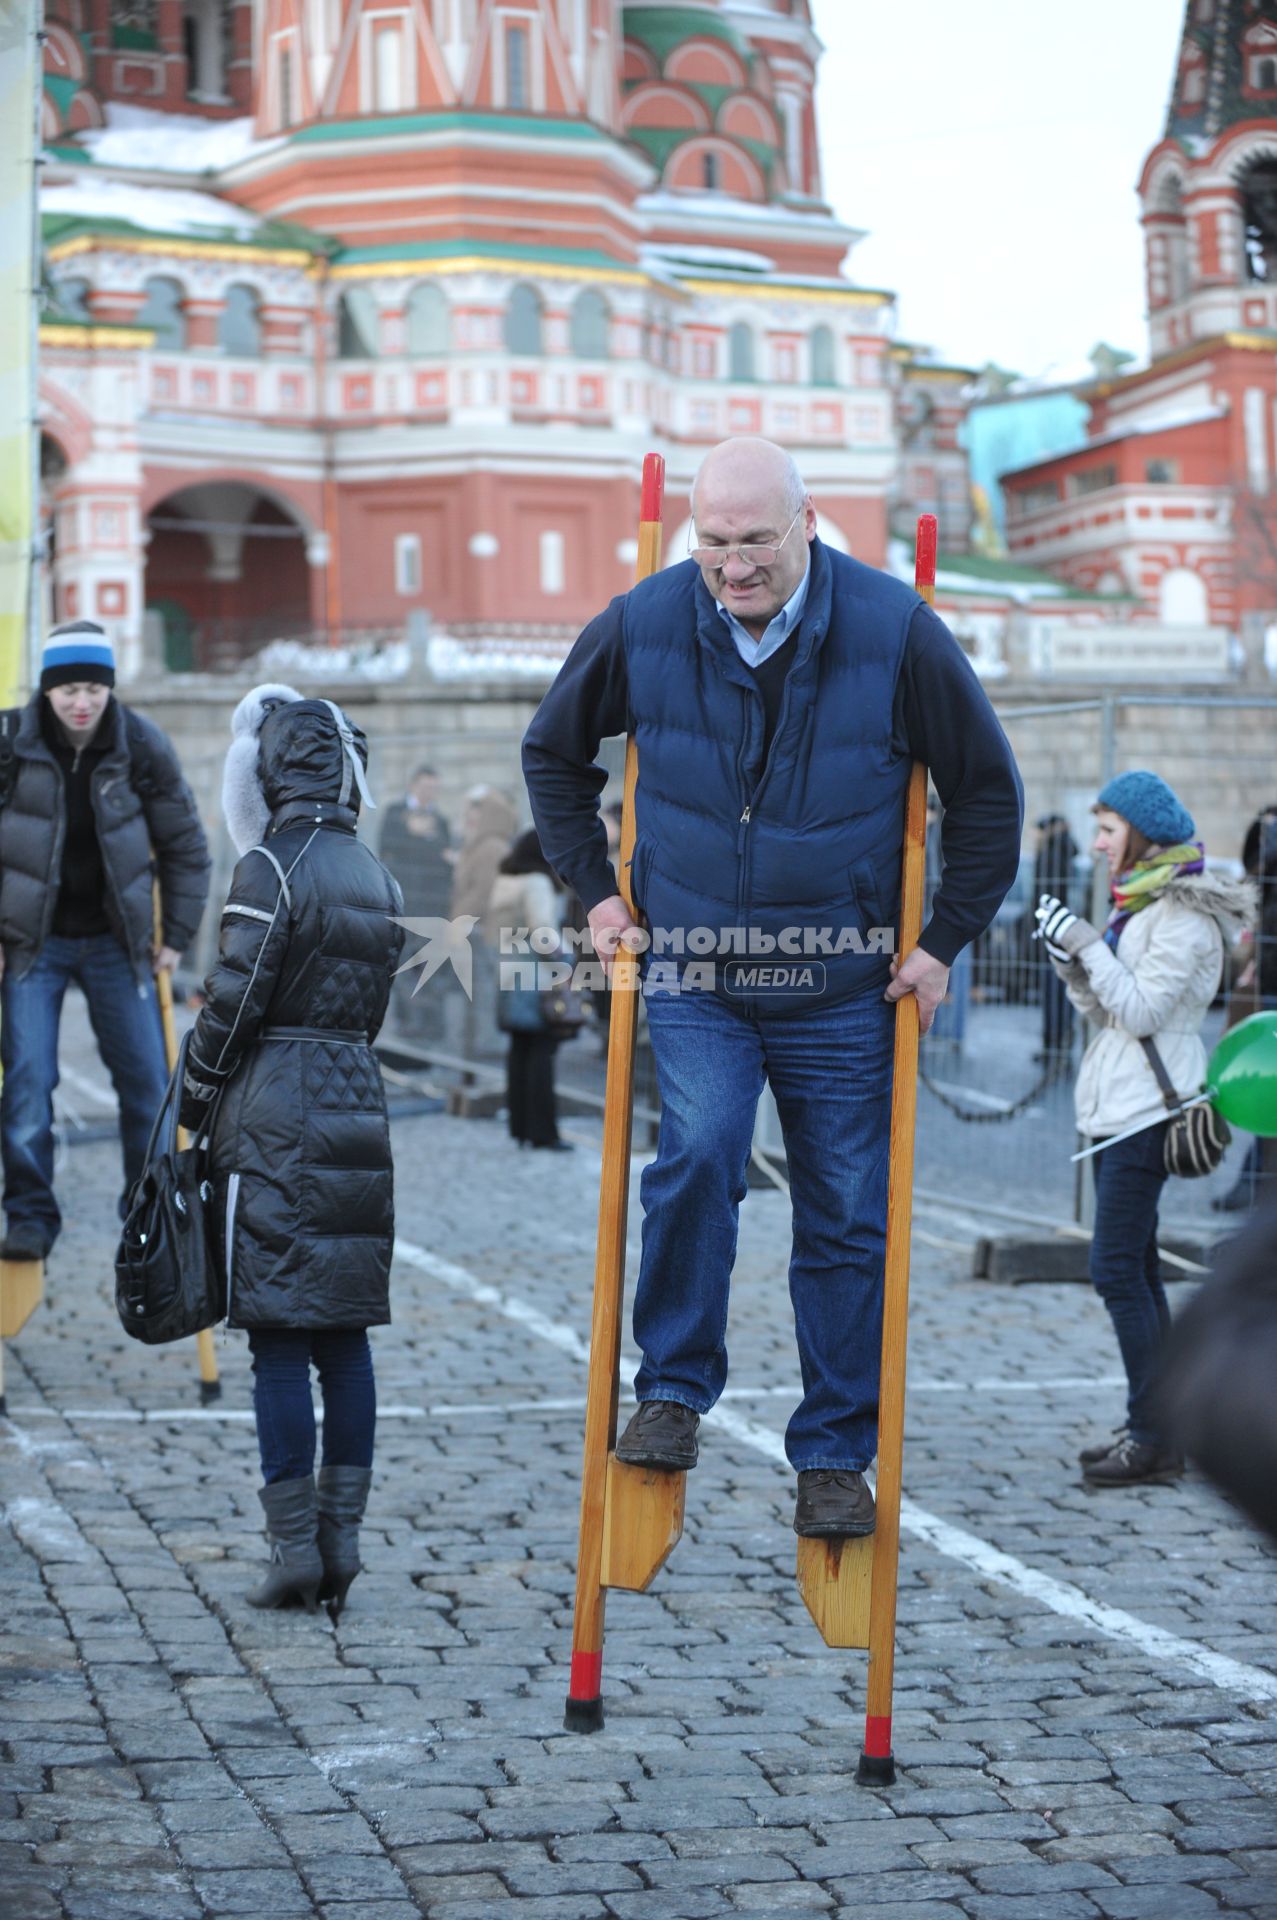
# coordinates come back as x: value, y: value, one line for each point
x: 95, y: 807
x: 300, y: 1141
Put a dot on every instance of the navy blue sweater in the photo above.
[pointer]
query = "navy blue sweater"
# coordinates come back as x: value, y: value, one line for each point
x: 941, y: 715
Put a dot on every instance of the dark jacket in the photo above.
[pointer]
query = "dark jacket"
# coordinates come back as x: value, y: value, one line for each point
x: 419, y: 861
x: 147, y: 824
x: 300, y: 1142
x: 797, y: 844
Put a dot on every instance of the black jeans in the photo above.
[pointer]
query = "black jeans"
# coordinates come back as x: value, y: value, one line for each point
x: 530, y: 1088
x: 1124, y: 1266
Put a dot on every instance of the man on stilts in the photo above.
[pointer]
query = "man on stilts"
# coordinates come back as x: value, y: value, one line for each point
x: 778, y: 693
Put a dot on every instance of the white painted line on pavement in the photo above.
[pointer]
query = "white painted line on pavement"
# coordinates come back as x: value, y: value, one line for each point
x: 450, y: 1410
x: 981, y: 1556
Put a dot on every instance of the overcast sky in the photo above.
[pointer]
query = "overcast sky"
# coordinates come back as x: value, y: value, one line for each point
x: 990, y: 149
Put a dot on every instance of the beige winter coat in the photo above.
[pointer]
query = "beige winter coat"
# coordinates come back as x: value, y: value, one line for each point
x: 1159, y: 983
x: 521, y: 900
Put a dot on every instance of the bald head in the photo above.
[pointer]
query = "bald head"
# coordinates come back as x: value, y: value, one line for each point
x: 749, y: 493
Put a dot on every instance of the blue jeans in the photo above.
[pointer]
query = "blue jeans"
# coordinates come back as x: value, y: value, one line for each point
x: 830, y: 1071
x: 125, y: 1017
x: 1124, y: 1266
x: 285, y: 1411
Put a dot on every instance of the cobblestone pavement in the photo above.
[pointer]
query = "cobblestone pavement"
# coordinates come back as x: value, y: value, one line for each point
x: 1086, y: 1704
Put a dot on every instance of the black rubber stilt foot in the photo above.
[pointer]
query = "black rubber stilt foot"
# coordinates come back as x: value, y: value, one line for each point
x: 583, y: 1716
x: 876, y: 1770
x: 210, y: 1390
x: 4, y: 1411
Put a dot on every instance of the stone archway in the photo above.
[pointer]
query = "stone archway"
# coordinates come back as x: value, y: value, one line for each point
x: 226, y: 573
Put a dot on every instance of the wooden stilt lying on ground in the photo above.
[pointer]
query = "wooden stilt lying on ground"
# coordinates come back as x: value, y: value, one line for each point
x: 631, y: 1519
x: 210, y: 1384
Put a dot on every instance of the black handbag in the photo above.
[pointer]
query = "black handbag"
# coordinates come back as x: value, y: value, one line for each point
x: 1198, y: 1137
x: 169, y: 1281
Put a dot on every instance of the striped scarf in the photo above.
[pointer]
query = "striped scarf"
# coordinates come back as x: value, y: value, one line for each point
x: 1145, y: 880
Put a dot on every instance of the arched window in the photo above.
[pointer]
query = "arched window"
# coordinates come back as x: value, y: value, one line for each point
x: 71, y: 298
x: 163, y: 314
x: 523, y: 321
x: 1268, y: 75
x: 590, y: 325
x: 709, y: 170
x: 740, y: 352
x: 1181, y: 598
x: 356, y: 325
x: 239, y: 326
x: 824, y: 371
x: 1259, y: 219
x: 429, y: 326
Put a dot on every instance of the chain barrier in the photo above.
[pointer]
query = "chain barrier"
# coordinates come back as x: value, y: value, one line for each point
x: 975, y: 1118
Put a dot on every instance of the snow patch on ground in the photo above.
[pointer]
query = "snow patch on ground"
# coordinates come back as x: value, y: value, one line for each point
x: 359, y: 660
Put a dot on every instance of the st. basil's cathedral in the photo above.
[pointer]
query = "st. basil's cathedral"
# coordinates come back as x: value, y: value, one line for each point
x: 361, y: 308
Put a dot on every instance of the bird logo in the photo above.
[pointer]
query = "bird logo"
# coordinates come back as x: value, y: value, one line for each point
x: 447, y: 943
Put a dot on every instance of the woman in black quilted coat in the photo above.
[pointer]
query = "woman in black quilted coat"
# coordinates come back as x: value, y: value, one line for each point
x: 281, y: 1074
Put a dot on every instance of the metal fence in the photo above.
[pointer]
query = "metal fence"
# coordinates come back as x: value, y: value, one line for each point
x: 995, y: 1125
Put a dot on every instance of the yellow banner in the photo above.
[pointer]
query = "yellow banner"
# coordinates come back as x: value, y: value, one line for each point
x: 19, y: 55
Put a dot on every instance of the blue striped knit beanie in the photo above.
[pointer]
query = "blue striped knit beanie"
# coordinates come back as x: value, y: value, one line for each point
x: 80, y: 651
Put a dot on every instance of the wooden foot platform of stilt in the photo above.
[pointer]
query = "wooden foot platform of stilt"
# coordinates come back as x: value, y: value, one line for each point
x: 835, y: 1580
x: 642, y: 1523
x: 21, y: 1291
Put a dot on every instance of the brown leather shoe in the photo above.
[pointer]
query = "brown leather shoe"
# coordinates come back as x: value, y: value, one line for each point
x: 833, y: 1504
x: 661, y: 1434
x: 1134, y: 1463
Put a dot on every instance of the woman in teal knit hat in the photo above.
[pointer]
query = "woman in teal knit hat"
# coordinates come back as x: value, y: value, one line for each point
x: 1151, y: 972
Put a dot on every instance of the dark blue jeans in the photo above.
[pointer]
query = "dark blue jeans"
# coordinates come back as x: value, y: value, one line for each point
x: 830, y: 1071
x: 125, y: 1017
x: 282, y: 1359
x: 1129, y: 1178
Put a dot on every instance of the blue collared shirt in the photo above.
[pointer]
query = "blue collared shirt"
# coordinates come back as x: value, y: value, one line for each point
x: 754, y: 652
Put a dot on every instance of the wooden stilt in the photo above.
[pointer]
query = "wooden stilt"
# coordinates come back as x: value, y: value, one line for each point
x: 877, y: 1767
x: 617, y: 1506
x: 206, y: 1352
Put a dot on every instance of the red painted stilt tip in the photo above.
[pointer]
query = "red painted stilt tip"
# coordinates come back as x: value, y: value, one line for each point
x: 653, y: 494
x: 924, y: 570
x: 584, y: 1711
x: 877, y: 1768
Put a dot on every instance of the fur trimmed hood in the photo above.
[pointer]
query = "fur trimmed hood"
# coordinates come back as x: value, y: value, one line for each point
x: 285, y: 750
x: 1231, y: 904
x: 243, y: 800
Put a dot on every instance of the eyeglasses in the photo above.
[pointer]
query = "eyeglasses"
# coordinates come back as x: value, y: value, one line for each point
x: 753, y: 556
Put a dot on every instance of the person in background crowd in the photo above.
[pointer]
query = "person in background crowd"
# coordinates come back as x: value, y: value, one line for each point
x: 416, y: 845
x: 779, y: 693
x: 1255, y: 990
x: 1151, y: 973
x: 93, y: 805
x: 487, y: 829
x: 281, y: 1075
x: 1053, y: 873
x: 525, y: 894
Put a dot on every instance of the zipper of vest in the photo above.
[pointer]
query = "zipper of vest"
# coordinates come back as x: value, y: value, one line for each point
x: 744, y: 819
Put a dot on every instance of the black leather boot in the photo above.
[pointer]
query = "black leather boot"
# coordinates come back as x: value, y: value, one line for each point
x: 343, y: 1495
x: 292, y: 1524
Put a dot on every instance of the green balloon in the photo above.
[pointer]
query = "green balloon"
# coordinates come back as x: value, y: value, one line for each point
x: 1241, y: 1075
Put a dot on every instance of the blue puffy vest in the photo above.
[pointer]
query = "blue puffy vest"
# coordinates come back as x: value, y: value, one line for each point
x: 777, y: 878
